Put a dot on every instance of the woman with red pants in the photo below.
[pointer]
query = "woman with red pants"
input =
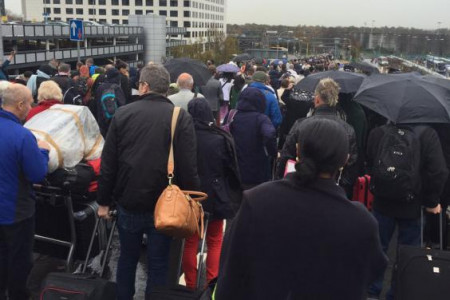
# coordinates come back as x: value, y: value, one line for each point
x: 219, y: 176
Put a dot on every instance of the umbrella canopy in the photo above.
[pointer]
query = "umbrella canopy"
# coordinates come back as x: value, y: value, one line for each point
x: 349, y: 82
x: 277, y: 61
x: 228, y: 68
x: 406, y: 98
x: 195, y: 68
x: 242, y: 57
x: 365, y: 67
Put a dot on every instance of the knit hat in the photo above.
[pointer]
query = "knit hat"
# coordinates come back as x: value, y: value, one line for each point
x: 259, y: 76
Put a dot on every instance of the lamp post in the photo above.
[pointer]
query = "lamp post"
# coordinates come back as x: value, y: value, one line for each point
x: 278, y: 40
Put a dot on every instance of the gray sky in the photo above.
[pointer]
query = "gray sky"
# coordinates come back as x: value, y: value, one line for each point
x: 406, y: 13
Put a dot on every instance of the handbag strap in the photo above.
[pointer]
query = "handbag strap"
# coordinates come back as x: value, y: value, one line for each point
x: 171, y: 161
x: 200, y: 196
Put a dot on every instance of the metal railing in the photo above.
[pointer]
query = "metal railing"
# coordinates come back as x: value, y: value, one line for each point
x: 31, y: 31
x: 176, y: 30
x: 175, y: 43
x: 32, y: 57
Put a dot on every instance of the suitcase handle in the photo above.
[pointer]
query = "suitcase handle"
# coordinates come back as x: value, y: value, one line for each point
x: 441, y: 235
x: 104, y: 259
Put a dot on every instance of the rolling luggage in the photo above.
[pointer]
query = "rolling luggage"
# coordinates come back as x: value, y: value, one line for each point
x: 179, y: 292
x: 82, y: 286
x: 423, y: 273
x: 362, y: 193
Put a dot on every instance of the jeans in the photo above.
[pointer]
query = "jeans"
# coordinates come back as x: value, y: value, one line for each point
x: 408, y: 234
x: 16, y: 258
x: 132, y: 227
x: 214, y: 237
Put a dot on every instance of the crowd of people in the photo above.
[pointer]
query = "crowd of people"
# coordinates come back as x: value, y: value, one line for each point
x: 289, y: 234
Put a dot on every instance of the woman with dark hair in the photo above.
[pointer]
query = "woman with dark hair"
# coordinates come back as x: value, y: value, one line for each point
x: 300, y: 238
x: 219, y: 177
x: 238, y: 84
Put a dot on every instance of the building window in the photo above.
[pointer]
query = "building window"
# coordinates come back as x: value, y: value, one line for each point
x: 57, y: 19
x: 162, y: 2
x: 125, y: 12
x: 173, y: 23
x: 102, y: 2
x: 148, y: 12
x: 102, y: 21
x: 186, y: 13
x: 126, y: 2
x: 138, y: 12
x: 102, y: 12
x: 79, y: 11
x: 125, y: 22
x: 78, y: 1
x: 69, y: 11
x: 46, y: 1
x: 174, y: 3
x: 57, y: 10
x: 114, y: 2
x: 187, y: 35
x: 56, y: 1
x: 91, y: 2
x: 92, y: 11
x: 115, y: 12
x: 187, y: 24
x: 149, y: 2
x: 174, y: 13
x: 47, y: 10
x: 163, y: 12
x: 138, y: 2
x: 187, y: 3
x: 115, y: 21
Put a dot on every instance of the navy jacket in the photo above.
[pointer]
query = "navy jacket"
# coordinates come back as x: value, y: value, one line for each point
x: 22, y: 163
x: 272, y: 109
x: 255, y: 137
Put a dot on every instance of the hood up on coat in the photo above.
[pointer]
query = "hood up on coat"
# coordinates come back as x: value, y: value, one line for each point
x: 252, y: 99
x: 113, y: 76
x: 200, y: 110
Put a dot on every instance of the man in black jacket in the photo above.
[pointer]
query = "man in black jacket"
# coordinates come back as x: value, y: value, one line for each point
x: 134, y: 174
x: 325, y: 101
x: 431, y: 174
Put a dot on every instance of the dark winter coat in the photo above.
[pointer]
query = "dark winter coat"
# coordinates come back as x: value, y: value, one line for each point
x: 296, y: 108
x: 293, y: 242
x: 136, y: 151
x: 254, y: 136
x: 433, y: 172
x: 289, y: 150
x: 217, y: 163
x: 212, y: 92
x: 113, y: 77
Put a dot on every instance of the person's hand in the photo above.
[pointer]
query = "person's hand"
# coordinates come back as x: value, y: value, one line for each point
x: 103, y: 212
x: 43, y: 145
x: 435, y: 210
x: 290, y: 86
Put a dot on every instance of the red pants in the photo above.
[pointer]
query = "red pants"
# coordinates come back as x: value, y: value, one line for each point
x: 214, y: 237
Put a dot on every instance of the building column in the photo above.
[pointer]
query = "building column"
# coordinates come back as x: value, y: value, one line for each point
x: 154, y: 35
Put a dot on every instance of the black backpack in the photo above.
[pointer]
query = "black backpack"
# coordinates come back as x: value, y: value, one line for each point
x: 72, y: 96
x: 109, y: 101
x: 396, y: 169
x: 82, y: 87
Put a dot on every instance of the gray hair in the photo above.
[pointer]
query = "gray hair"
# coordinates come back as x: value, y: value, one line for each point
x: 328, y: 90
x: 157, y: 77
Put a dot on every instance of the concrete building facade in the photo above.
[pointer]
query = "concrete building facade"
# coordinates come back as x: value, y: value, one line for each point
x: 201, y: 18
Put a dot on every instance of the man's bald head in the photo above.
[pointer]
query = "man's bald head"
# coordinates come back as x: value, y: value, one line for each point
x: 109, y: 67
x: 17, y: 100
x: 185, y: 81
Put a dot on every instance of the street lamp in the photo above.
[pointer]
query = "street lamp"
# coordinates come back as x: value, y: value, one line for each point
x: 278, y: 40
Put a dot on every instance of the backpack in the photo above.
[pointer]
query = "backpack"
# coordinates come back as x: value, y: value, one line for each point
x: 72, y: 96
x: 230, y: 119
x: 109, y: 102
x: 82, y: 86
x: 396, y: 168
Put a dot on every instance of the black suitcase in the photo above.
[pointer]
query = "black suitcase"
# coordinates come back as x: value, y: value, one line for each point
x: 178, y: 292
x: 423, y: 273
x: 82, y: 286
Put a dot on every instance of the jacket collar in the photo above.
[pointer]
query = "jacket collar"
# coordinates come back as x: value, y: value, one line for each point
x: 326, y: 186
x: 260, y: 85
x: 10, y: 116
x: 155, y: 97
x: 325, y: 109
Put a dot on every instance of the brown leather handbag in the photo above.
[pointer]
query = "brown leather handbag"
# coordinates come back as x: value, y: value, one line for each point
x: 178, y: 213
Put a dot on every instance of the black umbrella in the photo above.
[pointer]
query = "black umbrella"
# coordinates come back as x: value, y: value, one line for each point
x: 349, y: 82
x: 406, y: 98
x: 242, y: 57
x: 195, y: 68
x: 365, y: 67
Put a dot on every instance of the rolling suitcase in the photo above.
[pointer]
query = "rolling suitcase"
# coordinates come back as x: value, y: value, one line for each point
x: 82, y: 286
x: 178, y: 292
x: 362, y: 193
x: 423, y: 273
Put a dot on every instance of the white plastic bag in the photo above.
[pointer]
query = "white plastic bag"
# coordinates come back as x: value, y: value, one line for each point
x: 72, y: 133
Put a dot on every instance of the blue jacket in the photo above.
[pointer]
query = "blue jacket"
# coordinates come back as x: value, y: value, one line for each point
x: 254, y: 136
x: 272, y: 108
x: 22, y: 163
x: 3, y: 74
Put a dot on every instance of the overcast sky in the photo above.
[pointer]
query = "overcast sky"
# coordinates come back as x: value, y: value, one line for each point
x: 407, y: 13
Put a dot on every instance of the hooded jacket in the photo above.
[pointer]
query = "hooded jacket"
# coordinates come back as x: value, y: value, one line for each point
x: 112, y: 80
x: 44, y: 73
x: 217, y: 163
x: 23, y: 163
x: 272, y: 109
x: 254, y: 136
x: 134, y: 159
